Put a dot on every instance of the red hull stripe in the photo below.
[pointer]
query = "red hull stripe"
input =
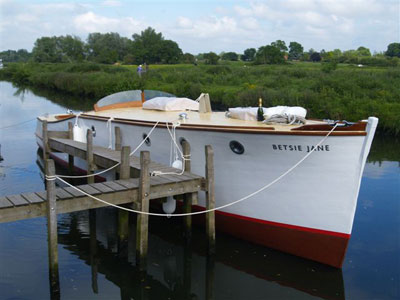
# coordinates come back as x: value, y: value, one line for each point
x: 326, y: 232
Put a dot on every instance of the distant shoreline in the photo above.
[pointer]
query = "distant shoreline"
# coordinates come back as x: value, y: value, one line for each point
x: 347, y: 93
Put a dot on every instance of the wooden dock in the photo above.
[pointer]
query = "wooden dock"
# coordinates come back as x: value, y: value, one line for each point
x: 134, y: 189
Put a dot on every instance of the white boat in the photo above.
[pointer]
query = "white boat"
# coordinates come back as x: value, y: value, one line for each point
x: 307, y: 212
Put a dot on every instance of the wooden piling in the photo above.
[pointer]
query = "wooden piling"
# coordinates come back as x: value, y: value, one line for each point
x: 70, y: 157
x: 52, y: 230
x: 89, y: 155
x: 188, y: 198
x: 125, y: 168
x: 45, y: 140
x: 118, y: 138
x: 143, y: 219
x: 210, y: 199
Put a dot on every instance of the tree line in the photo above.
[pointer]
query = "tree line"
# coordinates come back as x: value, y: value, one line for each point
x: 151, y: 47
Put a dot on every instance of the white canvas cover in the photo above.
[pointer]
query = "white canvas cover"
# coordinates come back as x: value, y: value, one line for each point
x: 171, y: 104
x: 250, y: 113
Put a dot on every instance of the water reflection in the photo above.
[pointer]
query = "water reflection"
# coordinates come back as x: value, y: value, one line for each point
x: 100, y: 262
x: 180, y: 271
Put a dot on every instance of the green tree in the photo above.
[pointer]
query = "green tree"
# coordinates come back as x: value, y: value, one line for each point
x: 211, y: 58
x: 363, y: 51
x: 151, y: 47
x: 188, y: 58
x: 393, y: 50
x: 232, y: 56
x: 46, y: 49
x: 281, y: 45
x: 21, y: 55
x: 72, y: 48
x: 269, y: 55
x: 107, y: 48
x: 295, y: 50
x: 249, y: 54
x: 315, y: 56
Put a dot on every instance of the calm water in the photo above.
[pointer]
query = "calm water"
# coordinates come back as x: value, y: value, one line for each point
x: 101, y: 267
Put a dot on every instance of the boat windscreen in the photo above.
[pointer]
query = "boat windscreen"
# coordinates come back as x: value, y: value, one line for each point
x: 150, y: 94
x: 121, y: 97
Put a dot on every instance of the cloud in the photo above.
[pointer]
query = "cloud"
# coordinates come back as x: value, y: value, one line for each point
x: 111, y: 3
x: 207, y: 26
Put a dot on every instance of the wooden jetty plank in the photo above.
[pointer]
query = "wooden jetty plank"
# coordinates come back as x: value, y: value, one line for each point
x: 4, y: 202
x: 74, y: 192
x: 17, y: 200
x: 42, y: 194
x: 102, y: 187
x: 32, y: 197
x: 115, y: 186
x: 63, y: 194
x: 87, y: 188
x: 132, y: 183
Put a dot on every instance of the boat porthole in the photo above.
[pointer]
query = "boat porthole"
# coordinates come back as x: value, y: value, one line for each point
x: 236, y: 147
x: 93, y: 131
x: 146, y: 139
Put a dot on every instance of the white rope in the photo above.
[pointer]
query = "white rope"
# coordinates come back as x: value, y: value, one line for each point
x: 208, y: 210
x: 114, y: 166
x: 175, y: 152
x: 17, y: 124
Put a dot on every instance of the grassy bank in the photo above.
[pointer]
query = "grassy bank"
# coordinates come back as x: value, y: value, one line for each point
x: 349, y: 92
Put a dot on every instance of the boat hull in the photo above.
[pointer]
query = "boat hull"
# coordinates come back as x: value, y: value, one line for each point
x: 309, y: 212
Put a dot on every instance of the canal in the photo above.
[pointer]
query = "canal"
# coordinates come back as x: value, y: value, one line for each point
x: 101, y: 267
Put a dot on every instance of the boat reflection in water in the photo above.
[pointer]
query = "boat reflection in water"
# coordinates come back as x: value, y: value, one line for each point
x: 239, y: 270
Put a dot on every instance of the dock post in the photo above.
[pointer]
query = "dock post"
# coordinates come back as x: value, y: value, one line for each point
x: 210, y: 199
x: 118, y: 139
x: 143, y: 219
x: 123, y: 216
x: 89, y: 155
x: 52, y: 231
x: 70, y: 157
x: 45, y: 139
x: 125, y: 168
x: 188, y: 198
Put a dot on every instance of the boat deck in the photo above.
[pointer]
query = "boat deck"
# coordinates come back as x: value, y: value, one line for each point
x: 193, y: 118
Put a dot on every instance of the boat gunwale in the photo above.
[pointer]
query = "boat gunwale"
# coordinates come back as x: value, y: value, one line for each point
x: 339, y: 131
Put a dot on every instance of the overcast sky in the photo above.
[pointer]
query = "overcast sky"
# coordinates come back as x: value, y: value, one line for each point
x: 203, y: 26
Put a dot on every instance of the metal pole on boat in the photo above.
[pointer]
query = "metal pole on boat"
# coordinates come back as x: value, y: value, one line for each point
x: 89, y: 155
x: 70, y: 157
x: 118, y: 138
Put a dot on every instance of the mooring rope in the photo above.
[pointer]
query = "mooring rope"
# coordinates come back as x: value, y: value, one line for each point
x: 114, y: 166
x: 54, y: 177
x: 17, y: 124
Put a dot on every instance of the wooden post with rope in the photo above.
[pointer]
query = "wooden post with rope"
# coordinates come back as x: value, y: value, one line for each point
x: 210, y: 199
x: 89, y: 155
x: 143, y: 219
x: 188, y: 198
x: 70, y: 157
x: 123, y: 216
x: 45, y: 140
x: 52, y: 228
